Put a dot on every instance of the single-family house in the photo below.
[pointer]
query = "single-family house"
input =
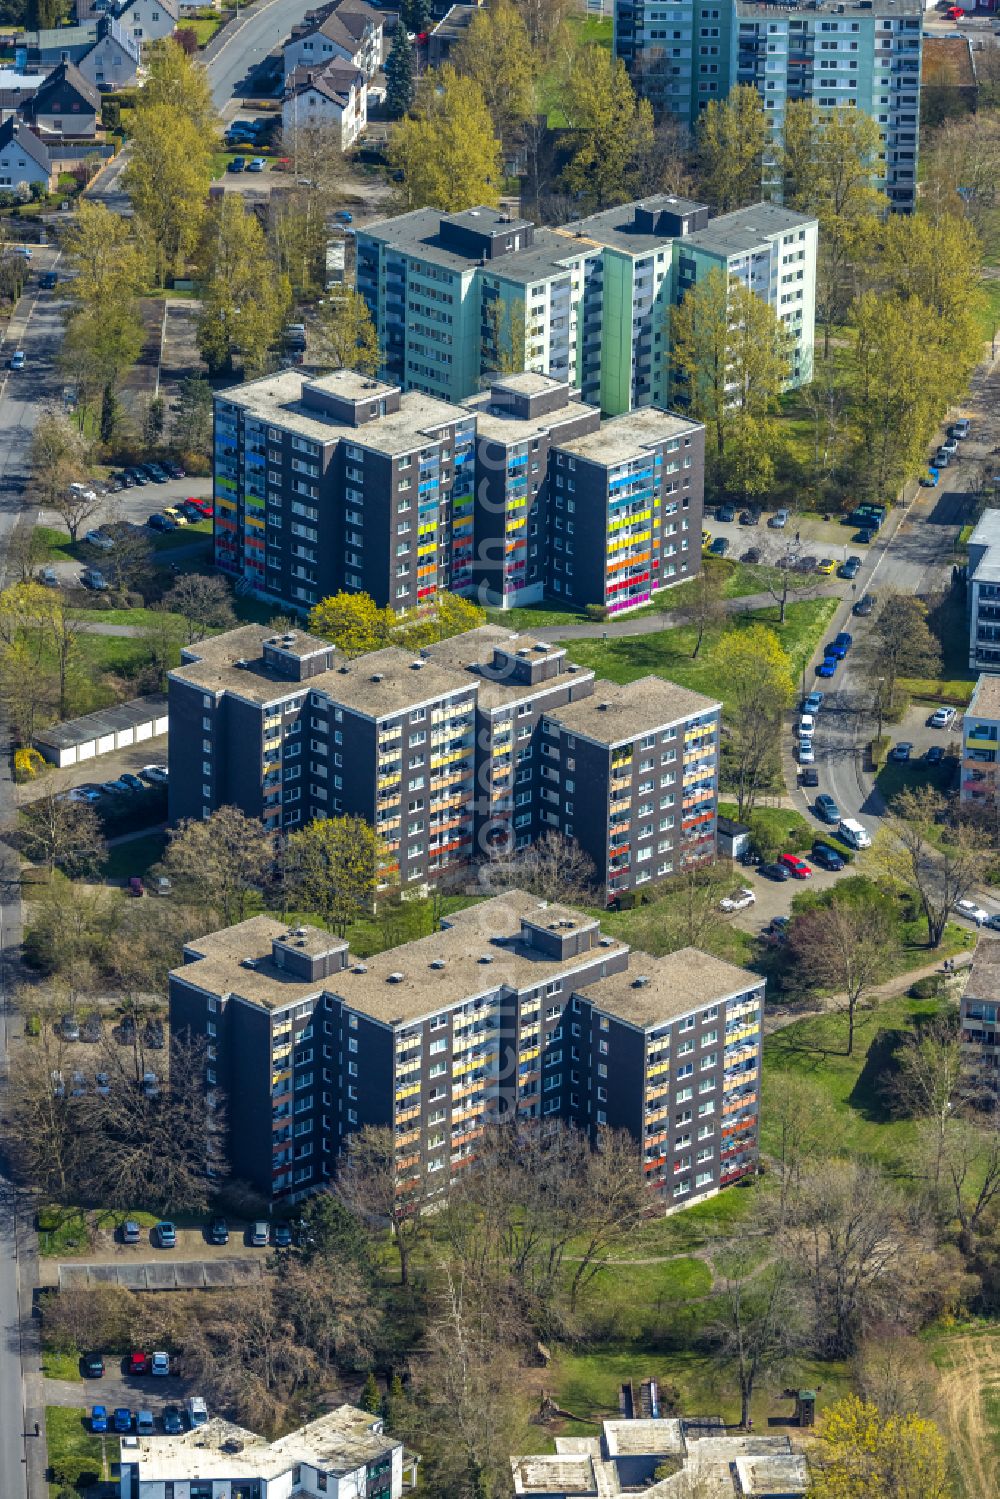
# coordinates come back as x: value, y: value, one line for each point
x: 350, y: 30
x: 23, y: 157
x: 335, y: 95
x: 113, y: 60
x: 148, y: 20
x: 59, y: 44
x: 65, y: 104
x: 16, y: 89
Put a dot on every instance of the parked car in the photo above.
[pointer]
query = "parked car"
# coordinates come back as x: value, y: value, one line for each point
x: 93, y: 578
x: 197, y: 1411
x: 779, y: 520
x: 49, y: 577
x: 162, y: 885
x: 144, y: 1424
x: 949, y: 446
x: 934, y: 755
x: 739, y: 900
x: 69, y: 1028
x: 813, y: 701
x: 100, y: 541
x: 138, y: 1363
x: 853, y: 833
x: 826, y: 566
x: 131, y: 1232
x: 132, y: 781
x: 727, y: 513
x: 238, y: 164
x: 91, y: 1029
x: 827, y: 667
x: 92, y: 1365
x: 17, y: 360
x: 942, y: 718
x: 156, y: 472
x: 808, y: 776
x: 150, y: 1086
x: 835, y: 650
x: 752, y: 554
x: 776, y: 930
x: 720, y: 546
x: 138, y: 477
x: 47, y: 280
x: 115, y: 788
x: 77, y: 1085
x: 259, y: 1233
x: 797, y: 868
x: 850, y: 567
x: 749, y: 518
x: 257, y: 164
x: 102, y: 1084
x: 218, y: 1231
x: 175, y: 471
x: 865, y: 605
x: 165, y: 1234
x: 960, y: 429
x: 152, y: 1036
x: 173, y: 1423
x: 156, y: 775
x: 866, y: 536
x: 942, y: 457
x: 901, y: 751
x: 161, y: 523
x: 282, y: 1236
x: 806, y: 753
x: 774, y: 872
x: 807, y: 726
x: 85, y: 794
x: 135, y: 885
x: 159, y: 1364
x: 123, y: 1419
x: 827, y: 857
x: 827, y: 809
x: 972, y: 912
x: 99, y: 1419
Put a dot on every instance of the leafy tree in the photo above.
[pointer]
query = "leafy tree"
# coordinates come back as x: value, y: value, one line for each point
x: 192, y: 426
x: 892, y: 388
x: 503, y: 342
x: 757, y: 669
x: 220, y: 860
x: 546, y: 25
x: 245, y: 302
x: 899, y: 644
x: 612, y: 129
x: 730, y: 355
x: 176, y: 80
x: 104, y: 332
x: 416, y: 15
x: 399, y: 74
x: 863, y: 1454
x: 353, y: 622
x: 931, y: 263
x: 733, y: 134
x: 205, y: 601
x: 334, y: 868
x: 62, y: 835
x: 371, y: 1398
x: 843, y: 947
x: 167, y: 177
x: 496, y: 53
x: 38, y: 655
x: 153, y: 421
x: 445, y: 149
x: 344, y: 334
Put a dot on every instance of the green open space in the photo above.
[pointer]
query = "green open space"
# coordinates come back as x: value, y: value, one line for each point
x: 785, y: 828
x: 62, y: 1365
x: 204, y: 27
x: 669, y: 653
x: 912, y: 775
x: 72, y: 1449
x: 134, y: 856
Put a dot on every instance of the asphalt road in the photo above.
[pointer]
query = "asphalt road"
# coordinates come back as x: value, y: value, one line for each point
x: 237, y: 50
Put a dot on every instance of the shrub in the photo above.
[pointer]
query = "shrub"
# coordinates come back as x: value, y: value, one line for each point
x: 878, y: 749
x: 931, y: 987
x: 596, y: 612
x: 27, y: 763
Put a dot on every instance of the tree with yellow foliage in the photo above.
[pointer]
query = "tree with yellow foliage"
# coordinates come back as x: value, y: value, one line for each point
x: 353, y: 622
x: 445, y: 151
x: 865, y: 1455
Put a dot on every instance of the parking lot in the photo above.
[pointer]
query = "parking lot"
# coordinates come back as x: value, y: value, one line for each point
x: 807, y: 535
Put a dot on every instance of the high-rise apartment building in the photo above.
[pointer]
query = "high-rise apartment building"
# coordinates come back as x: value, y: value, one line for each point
x: 979, y: 1018
x: 516, y: 1009
x: 448, y: 753
x: 346, y: 483
x: 454, y: 296
x: 984, y: 593
x: 862, y: 54
x: 980, y: 777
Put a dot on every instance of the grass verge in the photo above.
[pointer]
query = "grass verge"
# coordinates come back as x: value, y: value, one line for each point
x: 62, y: 1365
x: 74, y: 1452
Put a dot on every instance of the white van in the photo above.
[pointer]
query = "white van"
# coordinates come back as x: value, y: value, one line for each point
x: 853, y: 834
x: 197, y: 1411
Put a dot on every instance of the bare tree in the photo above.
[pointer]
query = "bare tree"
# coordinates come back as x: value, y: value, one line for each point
x: 926, y: 1082
x: 844, y: 948
x: 972, y: 1164
x: 779, y: 580
x: 614, y: 1199
x: 704, y: 605
x: 909, y: 853
x: 42, y: 1117
x: 62, y: 834
x: 379, y: 1192
x: 891, y: 1370
x: 804, y: 1126
x: 58, y: 459
x: 205, y: 602
x: 691, y: 916
x: 899, y: 644
x: 554, y: 867
x: 220, y: 860
x: 758, y: 1321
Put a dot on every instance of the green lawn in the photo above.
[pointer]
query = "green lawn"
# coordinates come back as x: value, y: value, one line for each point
x: 204, y: 27
x: 908, y: 775
x: 168, y: 541
x: 136, y: 856
x: 58, y: 547
x: 62, y: 1231
x: 145, y: 619
x: 537, y: 617
x: 989, y: 310
x: 668, y: 653
x: 69, y: 1442
x: 789, y: 831
x: 62, y: 1365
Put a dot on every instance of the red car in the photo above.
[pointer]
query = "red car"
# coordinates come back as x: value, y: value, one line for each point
x: 954, y: 13
x: 797, y: 868
x: 138, y: 1363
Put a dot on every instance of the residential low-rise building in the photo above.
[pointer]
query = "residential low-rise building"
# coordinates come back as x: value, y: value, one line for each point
x: 333, y: 95
x: 707, y: 1458
x: 342, y: 482
x: 148, y: 20
x: 979, y: 1018
x: 478, y: 744
x: 349, y: 30
x: 981, y: 743
x: 984, y: 593
x: 343, y: 1454
x: 66, y: 104
x: 517, y: 1008
x: 24, y: 158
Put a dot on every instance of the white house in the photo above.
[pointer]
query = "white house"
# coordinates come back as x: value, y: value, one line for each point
x: 113, y: 60
x: 342, y: 1455
x: 148, y: 20
x: 334, y: 95
x: 65, y: 104
x: 350, y: 30
x: 23, y: 158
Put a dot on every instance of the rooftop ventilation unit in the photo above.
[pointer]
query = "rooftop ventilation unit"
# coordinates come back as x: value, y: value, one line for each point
x: 607, y: 941
x: 603, y: 707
